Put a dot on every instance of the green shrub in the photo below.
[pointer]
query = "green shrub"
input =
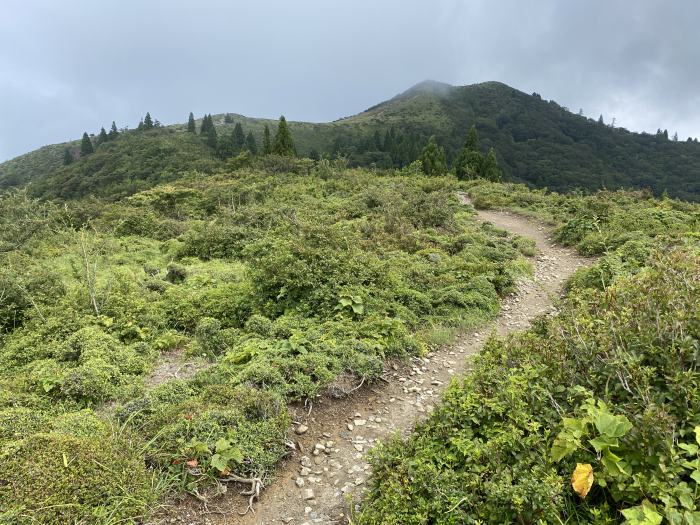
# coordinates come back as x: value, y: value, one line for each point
x: 610, y: 382
x: 252, y: 422
x: 93, y: 381
x: 208, y: 336
x: 82, y: 424
x: 176, y: 273
x: 19, y: 422
x: 54, y: 479
x: 259, y: 324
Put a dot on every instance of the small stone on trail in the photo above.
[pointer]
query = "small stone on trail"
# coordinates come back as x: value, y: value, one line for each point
x: 299, y: 482
x: 360, y: 422
x: 302, y: 429
x: 308, y: 494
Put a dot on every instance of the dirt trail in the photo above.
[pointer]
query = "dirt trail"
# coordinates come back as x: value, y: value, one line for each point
x: 315, y: 485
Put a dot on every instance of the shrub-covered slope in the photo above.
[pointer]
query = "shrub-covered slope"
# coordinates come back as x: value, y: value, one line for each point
x: 591, y: 416
x: 277, y: 283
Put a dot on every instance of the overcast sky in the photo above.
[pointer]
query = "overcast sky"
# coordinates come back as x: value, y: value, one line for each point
x: 73, y: 65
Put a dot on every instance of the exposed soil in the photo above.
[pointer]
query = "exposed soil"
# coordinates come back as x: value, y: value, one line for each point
x: 329, y: 471
x: 174, y: 365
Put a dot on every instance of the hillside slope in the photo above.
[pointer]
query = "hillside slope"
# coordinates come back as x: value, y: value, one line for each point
x: 538, y: 142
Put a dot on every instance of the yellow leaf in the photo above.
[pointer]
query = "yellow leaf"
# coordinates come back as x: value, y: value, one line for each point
x: 582, y: 479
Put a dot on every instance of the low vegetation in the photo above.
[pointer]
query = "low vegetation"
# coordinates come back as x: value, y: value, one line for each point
x: 279, y: 279
x: 591, y: 416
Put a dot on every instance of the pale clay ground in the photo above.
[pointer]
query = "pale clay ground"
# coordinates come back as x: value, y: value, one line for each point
x: 329, y: 471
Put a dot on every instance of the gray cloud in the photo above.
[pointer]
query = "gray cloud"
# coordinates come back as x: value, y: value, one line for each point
x: 76, y: 65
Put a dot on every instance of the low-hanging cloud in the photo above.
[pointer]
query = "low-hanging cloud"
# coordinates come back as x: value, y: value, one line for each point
x: 75, y: 65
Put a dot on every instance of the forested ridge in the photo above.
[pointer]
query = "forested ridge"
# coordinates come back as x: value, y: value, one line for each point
x: 537, y: 142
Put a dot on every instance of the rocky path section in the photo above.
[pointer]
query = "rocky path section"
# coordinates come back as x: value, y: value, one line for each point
x: 330, y: 469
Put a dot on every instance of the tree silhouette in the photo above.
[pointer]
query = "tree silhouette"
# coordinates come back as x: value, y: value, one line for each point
x: 86, y: 146
x: 433, y: 158
x: 191, y: 126
x: 283, y: 145
x: 267, y: 144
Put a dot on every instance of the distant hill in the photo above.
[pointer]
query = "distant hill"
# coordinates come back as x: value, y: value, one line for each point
x: 538, y: 142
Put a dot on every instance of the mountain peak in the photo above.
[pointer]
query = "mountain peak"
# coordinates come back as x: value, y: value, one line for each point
x: 429, y: 86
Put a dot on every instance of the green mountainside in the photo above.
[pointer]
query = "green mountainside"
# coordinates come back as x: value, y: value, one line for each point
x: 277, y: 278
x: 538, y: 142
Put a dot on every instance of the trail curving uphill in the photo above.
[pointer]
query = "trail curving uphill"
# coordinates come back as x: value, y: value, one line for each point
x: 315, y: 485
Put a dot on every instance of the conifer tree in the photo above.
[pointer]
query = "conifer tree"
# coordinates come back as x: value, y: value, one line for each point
x: 209, y: 131
x: 207, y: 124
x: 86, y: 146
x: 251, y: 144
x: 600, y: 120
x: 490, y: 169
x: 267, y: 144
x: 472, y: 141
x: 284, y: 144
x: 102, y: 137
x: 113, y: 131
x: 238, y: 136
x: 226, y: 147
x: 389, y: 141
x: 67, y: 157
x: 212, y: 138
x: 468, y: 164
x: 433, y: 158
x: 191, y: 126
x: 147, y: 121
x: 228, y: 118
x: 377, y: 139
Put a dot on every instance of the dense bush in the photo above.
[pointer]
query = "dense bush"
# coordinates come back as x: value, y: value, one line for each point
x: 275, y: 282
x: 608, y: 387
x: 52, y: 478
